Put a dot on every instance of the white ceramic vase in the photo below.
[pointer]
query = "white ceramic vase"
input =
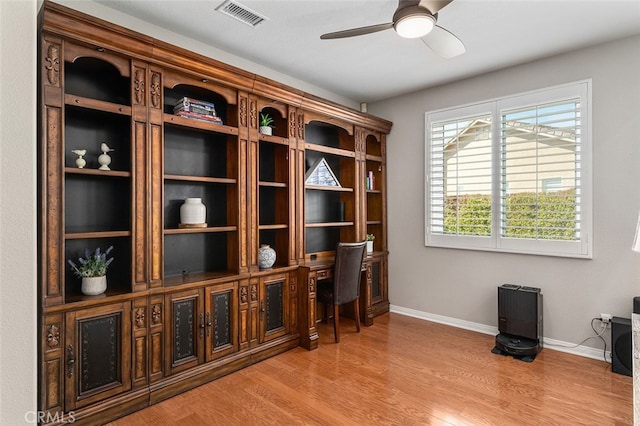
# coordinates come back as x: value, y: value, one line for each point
x: 369, y: 246
x: 92, y: 286
x: 266, y: 130
x: 266, y: 256
x: 193, y: 211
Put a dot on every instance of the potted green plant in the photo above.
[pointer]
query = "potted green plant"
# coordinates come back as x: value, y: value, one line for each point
x: 266, y: 124
x: 92, y: 268
x: 369, y: 239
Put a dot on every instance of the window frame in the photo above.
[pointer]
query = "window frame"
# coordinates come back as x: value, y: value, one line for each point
x: 581, y: 248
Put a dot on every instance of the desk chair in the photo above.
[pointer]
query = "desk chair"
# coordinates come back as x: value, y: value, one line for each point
x: 345, y: 286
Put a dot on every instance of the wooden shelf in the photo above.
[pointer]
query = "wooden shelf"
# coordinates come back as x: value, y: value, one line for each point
x: 330, y: 150
x: 374, y: 191
x: 273, y: 139
x: 273, y: 184
x: 96, y: 234
x: 328, y: 224
x: 80, y: 101
x: 200, y: 278
x: 270, y: 227
x: 191, y: 123
x: 210, y: 229
x: 202, y: 179
x: 96, y: 172
x: 328, y: 188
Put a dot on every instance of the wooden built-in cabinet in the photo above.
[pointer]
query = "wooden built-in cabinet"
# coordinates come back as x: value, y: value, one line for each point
x: 185, y: 305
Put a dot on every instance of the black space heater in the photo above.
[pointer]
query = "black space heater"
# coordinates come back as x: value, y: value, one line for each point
x: 519, y: 321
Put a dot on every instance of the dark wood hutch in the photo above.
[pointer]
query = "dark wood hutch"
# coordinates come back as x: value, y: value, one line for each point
x: 185, y: 305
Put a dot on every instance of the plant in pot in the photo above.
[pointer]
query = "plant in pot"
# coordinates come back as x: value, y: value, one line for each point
x: 92, y: 268
x: 266, y: 124
x: 369, y: 239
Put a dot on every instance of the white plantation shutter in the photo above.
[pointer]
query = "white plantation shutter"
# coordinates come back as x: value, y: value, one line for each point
x: 541, y: 145
x: 512, y: 174
x: 460, y: 170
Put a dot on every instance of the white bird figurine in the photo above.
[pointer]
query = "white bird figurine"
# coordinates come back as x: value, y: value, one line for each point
x: 80, y: 162
x: 105, y: 148
x: 104, y: 158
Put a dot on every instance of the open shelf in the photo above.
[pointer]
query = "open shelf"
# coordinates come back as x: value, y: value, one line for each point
x: 119, y: 272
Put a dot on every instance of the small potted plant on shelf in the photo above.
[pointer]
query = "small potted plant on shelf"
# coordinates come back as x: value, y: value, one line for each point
x: 370, y: 238
x: 266, y: 124
x: 93, y: 271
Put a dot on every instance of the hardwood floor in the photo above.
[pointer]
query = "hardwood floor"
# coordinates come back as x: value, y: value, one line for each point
x: 404, y: 371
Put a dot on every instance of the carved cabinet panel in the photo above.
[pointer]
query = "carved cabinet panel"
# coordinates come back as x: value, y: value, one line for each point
x: 97, y: 354
x: 185, y: 327
x: 221, y: 320
x: 274, y: 306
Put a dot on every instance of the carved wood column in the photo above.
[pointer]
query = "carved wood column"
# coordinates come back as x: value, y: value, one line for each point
x: 51, y: 173
x: 156, y: 177
x: 307, y: 308
x: 141, y: 173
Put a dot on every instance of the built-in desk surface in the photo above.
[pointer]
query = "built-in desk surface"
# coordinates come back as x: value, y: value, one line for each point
x: 316, y: 270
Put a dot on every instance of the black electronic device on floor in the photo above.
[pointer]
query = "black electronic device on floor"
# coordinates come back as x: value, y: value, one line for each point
x: 519, y: 321
x: 621, y: 348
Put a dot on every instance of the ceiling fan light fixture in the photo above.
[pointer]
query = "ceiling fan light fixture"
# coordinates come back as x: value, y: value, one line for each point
x: 413, y: 23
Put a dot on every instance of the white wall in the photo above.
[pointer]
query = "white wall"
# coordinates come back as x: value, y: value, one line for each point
x: 17, y: 210
x: 461, y: 285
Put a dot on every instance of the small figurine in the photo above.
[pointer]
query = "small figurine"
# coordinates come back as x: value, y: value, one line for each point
x: 104, y: 158
x: 80, y: 162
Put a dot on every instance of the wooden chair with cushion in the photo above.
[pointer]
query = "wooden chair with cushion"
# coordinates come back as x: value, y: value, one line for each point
x: 345, y: 285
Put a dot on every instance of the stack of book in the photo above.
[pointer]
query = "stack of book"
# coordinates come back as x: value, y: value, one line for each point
x: 197, y: 110
x: 370, y: 181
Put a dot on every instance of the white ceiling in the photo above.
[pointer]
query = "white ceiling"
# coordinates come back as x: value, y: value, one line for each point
x: 368, y: 68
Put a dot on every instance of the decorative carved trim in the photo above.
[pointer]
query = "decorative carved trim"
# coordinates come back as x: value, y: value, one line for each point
x: 243, y: 111
x: 140, y: 315
x: 293, y: 283
x: 53, y: 336
x: 244, y: 293
x: 52, y: 64
x: 254, y: 292
x: 156, y: 314
x: 300, y: 126
x: 292, y: 124
x: 312, y: 284
x: 155, y: 90
x: 253, y: 114
x: 138, y: 86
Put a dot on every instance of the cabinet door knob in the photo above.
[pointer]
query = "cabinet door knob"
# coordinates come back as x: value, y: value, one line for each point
x: 208, y: 323
x: 70, y: 361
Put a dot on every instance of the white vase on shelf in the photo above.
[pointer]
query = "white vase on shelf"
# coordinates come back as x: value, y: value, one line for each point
x: 266, y: 256
x: 92, y: 286
x: 193, y: 212
x: 266, y: 130
x: 369, y: 246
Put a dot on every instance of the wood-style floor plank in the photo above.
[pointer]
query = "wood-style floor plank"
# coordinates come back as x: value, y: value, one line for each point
x: 404, y: 371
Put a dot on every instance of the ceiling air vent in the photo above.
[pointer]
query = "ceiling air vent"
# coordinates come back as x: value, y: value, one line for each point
x: 241, y: 13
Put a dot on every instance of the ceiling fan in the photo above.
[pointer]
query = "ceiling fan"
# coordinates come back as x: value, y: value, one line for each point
x: 413, y: 19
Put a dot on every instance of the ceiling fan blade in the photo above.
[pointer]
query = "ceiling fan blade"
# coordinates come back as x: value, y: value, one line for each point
x: 434, y: 6
x: 444, y: 43
x: 357, y: 31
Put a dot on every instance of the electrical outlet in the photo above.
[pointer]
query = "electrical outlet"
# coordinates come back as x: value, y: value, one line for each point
x: 605, y: 318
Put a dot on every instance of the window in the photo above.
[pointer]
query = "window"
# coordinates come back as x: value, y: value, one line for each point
x: 512, y: 174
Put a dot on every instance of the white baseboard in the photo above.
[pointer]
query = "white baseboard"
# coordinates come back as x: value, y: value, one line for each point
x: 553, y: 344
